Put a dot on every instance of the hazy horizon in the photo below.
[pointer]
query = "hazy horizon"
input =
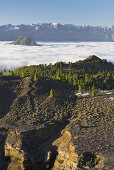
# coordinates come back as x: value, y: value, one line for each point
x: 58, y: 23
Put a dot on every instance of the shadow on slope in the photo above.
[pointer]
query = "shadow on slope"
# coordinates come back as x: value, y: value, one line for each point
x: 32, y: 103
x: 8, y: 86
x: 3, y: 160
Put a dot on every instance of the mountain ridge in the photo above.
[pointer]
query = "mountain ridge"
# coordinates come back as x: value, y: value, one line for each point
x: 57, y: 32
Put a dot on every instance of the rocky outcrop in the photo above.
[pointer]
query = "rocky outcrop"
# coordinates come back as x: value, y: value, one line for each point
x: 66, y: 158
x: 24, y: 40
x: 69, y: 158
x: 32, y: 149
x: 46, y: 148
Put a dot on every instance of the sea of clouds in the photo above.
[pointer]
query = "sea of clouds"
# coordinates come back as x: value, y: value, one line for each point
x: 12, y: 56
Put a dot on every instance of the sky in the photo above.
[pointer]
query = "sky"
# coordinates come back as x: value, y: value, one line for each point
x: 77, y: 12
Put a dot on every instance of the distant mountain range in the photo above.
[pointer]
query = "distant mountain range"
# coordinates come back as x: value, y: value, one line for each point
x: 57, y: 32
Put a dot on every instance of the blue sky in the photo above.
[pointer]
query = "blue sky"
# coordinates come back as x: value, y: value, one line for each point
x: 77, y: 12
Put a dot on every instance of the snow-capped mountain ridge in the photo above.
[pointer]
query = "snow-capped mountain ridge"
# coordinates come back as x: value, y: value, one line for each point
x: 57, y: 32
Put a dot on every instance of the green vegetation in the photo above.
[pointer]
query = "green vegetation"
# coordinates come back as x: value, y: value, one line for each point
x: 11, y: 73
x: 51, y: 93
x: 1, y: 73
x: 80, y: 88
x: 36, y: 76
x: 93, y: 91
x: 82, y: 74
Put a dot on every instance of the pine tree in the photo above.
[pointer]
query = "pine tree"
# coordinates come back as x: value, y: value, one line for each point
x: 51, y: 93
x: 58, y: 75
x: 74, y: 82
x: 66, y: 77
x: 36, y: 76
x: 25, y: 73
x: 18, y: 74
x: 1, y: 73
x: 93, y: 91
x: 11, y: 73
x: 79, y: 88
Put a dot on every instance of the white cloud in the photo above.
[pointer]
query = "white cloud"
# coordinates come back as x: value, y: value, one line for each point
x: 12, y: 56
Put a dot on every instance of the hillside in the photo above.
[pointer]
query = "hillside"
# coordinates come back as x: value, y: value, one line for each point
x: 57, y: 32
x: 93, y: 58
x: 65, y: 131
x: 30, y: 102
x: 84, y: 73
x: 24, y: 40
x: 91, y: 64
x: 57, y: 116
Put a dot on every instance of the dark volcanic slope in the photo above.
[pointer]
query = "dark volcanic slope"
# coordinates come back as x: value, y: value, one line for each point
x: 30, y: 102
x: 62, y: 132
x: 9, y: 89
x: 87, y: 142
